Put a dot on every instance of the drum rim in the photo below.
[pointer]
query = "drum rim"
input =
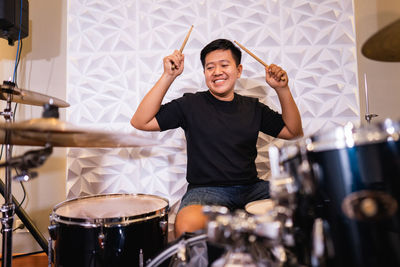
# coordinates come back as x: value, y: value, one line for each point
x: 350, y: 136
x: 108, y: 221
x: 171, y: 250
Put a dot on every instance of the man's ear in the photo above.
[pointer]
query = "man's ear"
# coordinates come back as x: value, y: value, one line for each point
x: 239, y: 68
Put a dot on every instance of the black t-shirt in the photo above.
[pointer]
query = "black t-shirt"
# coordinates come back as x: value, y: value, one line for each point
x: 221, y: 136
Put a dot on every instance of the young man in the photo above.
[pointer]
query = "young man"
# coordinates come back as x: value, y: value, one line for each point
x: 221, y: 129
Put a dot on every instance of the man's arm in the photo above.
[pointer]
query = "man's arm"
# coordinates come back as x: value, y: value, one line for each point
x: 144, y: 117
x: 277, y: 79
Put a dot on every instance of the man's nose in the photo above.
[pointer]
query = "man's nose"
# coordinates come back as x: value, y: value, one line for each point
x: 217, y: 70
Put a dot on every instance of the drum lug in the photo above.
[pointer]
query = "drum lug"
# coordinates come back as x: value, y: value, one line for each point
x: 164, y: 226
x: 101, y: 241
x: 141, y: 258
x: 53, y: 231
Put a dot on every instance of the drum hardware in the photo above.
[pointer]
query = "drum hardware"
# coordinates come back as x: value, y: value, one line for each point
x: 173, y: 249
x: 318, y: 249
x: 368, y: 116
x: 101, y: 238
x: 29, y: 160
x: 50, y: 256
x: 10, y: 93
x: 255, y: 240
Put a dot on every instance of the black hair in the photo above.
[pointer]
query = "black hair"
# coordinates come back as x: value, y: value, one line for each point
x: 221, y: 44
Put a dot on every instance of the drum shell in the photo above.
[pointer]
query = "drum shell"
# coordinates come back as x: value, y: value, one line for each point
x: 293, y: 159
x: 108, y: 242
x: 349, y: 174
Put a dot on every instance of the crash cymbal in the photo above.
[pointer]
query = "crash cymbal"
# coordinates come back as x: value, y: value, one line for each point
x: 23, y: 96
x: 385, y: 44
x: 38, y: 132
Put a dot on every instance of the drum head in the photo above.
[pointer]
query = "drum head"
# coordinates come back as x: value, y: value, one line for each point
x: 111, y: 208
x: 260, y: 207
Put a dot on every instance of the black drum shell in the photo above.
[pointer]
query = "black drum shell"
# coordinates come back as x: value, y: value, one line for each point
x: 108, y: 242
x: 79, y: 246
x: 369, y: 170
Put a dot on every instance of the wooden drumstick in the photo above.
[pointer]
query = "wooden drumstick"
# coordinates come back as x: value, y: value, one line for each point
x: 255, y: 57
x: 186, y: 39
x: 183, y: 44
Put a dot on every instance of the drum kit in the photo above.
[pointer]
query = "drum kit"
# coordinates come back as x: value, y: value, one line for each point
x: 334, y: 203
x: 334, y: 199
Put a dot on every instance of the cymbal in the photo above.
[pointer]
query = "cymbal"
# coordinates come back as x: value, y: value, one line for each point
x: 23, y: 96
x: 385, y: 44
x: 38, y: 132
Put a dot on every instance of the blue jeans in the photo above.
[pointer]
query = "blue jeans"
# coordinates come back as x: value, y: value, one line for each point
x: 233, y: 197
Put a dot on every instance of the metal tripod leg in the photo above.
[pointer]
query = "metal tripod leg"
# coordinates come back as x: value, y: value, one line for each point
x: 27, y: 221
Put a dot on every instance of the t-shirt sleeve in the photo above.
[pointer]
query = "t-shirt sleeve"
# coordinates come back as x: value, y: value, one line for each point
x: 271, y: 121
x: 171, y: 115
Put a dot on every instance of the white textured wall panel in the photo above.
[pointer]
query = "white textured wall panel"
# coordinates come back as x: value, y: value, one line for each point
x: 115, y: 51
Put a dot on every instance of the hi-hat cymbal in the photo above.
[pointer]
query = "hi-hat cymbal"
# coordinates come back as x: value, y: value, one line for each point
x: 38, y: 132
x: 385, y: 44
x: 23, y: 96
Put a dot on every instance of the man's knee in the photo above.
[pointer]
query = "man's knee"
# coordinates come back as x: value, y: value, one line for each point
x: 190, y: 219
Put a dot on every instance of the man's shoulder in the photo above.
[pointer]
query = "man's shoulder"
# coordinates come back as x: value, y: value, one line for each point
x: 192, y: 96
x: 195, y: 94
x: 249, y: 99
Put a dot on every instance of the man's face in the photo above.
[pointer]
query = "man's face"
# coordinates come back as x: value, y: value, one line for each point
x: 221, y: 73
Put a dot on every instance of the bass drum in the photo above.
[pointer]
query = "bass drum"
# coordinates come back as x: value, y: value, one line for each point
x: 109, y: 230
x: 358, y: 194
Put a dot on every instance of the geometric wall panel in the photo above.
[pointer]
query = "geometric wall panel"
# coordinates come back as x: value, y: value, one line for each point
x: 115, y: 51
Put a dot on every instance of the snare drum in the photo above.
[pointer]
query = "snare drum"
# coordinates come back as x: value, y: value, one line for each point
x: 358, y: 188
x: 109, y: 230
x: 260, y: 207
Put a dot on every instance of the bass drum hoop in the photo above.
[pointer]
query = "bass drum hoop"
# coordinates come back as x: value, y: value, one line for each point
x: 108, y: 221
x: 170, y: 251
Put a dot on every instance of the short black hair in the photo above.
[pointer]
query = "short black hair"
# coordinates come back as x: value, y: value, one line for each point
x: 221, y: 44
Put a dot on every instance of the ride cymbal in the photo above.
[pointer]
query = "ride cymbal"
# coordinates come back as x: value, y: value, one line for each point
x: 385, y: 44
x: 23, y: 96
x: 38, y: 132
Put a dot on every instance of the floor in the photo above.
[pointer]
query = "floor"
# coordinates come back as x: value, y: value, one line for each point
x: 36, y: 260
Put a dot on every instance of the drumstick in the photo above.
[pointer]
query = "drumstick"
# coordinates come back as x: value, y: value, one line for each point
x: 186, y: 39
x: 255, y: 57
x: 183, y: 44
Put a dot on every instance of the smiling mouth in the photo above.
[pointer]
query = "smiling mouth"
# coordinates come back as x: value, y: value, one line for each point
x: 219, y: 81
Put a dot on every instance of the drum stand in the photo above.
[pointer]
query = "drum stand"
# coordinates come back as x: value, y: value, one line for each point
x: 368, y: 117
x: 8, y: 209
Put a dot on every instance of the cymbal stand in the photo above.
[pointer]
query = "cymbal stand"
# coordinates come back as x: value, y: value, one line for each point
x: 8, y: 209
x: 368, y: 116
